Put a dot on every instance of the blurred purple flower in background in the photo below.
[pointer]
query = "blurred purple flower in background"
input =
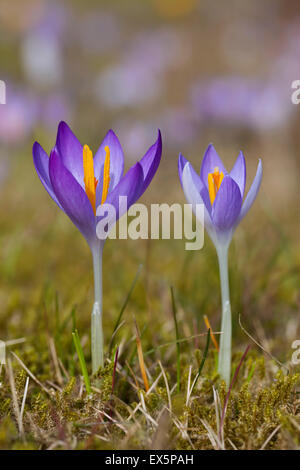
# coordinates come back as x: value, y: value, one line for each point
x: 138, y: 77
x: 41, y: 50
x: 126, y: 85
x: 98, y: 32
x: 53, y: 108
x: 178, y: 125
x: 241, y: 102
x: 17, y: 116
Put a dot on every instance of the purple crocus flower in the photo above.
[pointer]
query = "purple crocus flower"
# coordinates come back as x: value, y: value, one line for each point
x: 64, y: 176
x: 79, y: 184
x: 221, y: 193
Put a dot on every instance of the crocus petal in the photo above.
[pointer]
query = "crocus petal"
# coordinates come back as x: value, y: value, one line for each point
x: 201, y: 188
x: 227, y: 205
x: 41, y: 163
x: 72, y: 197
x: 116, y: 163
x: 70, y: 151
x: 129, y: 187
x: 193, y: 194
x: 150, y: 162
x: 238, y: 172
x: 181, y: 164
x: 252, y: 193
x: 210, y: 161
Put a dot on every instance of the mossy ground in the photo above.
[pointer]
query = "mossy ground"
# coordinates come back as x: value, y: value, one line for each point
x: 46, y: 289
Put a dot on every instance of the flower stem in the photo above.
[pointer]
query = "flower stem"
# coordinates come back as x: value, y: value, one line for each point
x: 96, y: 320
x: 224, y: 366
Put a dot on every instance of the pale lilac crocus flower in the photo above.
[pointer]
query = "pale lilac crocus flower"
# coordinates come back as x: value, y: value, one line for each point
x: 222, y: 195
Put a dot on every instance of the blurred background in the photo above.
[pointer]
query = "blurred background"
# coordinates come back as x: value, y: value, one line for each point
x: 202, y: 72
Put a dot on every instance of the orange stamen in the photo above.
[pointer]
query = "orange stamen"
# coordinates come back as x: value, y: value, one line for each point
x: 214, y: 182
x: 90, y: 182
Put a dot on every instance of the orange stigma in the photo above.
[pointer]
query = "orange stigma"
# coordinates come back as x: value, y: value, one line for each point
x: 214, y: 183
x: 90, y: 182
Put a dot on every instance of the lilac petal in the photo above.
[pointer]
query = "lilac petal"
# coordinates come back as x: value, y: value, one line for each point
x: 192, y: 191
x: 201, y: 188
x: 210, y: 161
x: 129, y: 186
x: 238, y: 172
x: 227, y: 205
x: 70, y: 151
x: 181, y: 164
x: 72, y: 197
x: 150, y: 162
x: 41, y: 163
x: 116, y: 163
x: 252, y: 193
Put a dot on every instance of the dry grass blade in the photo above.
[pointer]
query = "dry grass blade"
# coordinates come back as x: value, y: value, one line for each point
x: 213, y: 437
x: 24, y: 400
x: 270, y: 437
x: 133, y: 374
x: 117, y: 325
x: 13, y: 342
x: 174, y: 311
x: 114, y: 371
x: 167, y: 385
x: 14, y: 396
x: 229, y: 391
x: 149, y: 391
x: 31, y: 374
x: 55, y: 361
x: 141, y: 357
x: 261, y: 347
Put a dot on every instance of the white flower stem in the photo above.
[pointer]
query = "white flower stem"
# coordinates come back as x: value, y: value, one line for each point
x: 224, y: 365
x: 96, y: 320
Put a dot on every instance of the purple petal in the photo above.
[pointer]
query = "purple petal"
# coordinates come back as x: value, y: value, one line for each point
x: 181, y: 164
x: 252, y: 193
x: 192, y: 189
x: 238, y: 172
x: 72, y: 197
x: 116, y: 163
x: 227, y: 205
x: 150, y: 162
x: 201, y: 188
x: 210, y: 161
x: 70, y: 151
x: 41, y: 163
x: 129, y: 186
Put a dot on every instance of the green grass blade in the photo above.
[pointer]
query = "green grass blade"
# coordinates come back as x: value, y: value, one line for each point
x: 124, y: 307
x: 170, y: 343
x: 203, y: 360
x: 174, y: 311
x: 82, y: 361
